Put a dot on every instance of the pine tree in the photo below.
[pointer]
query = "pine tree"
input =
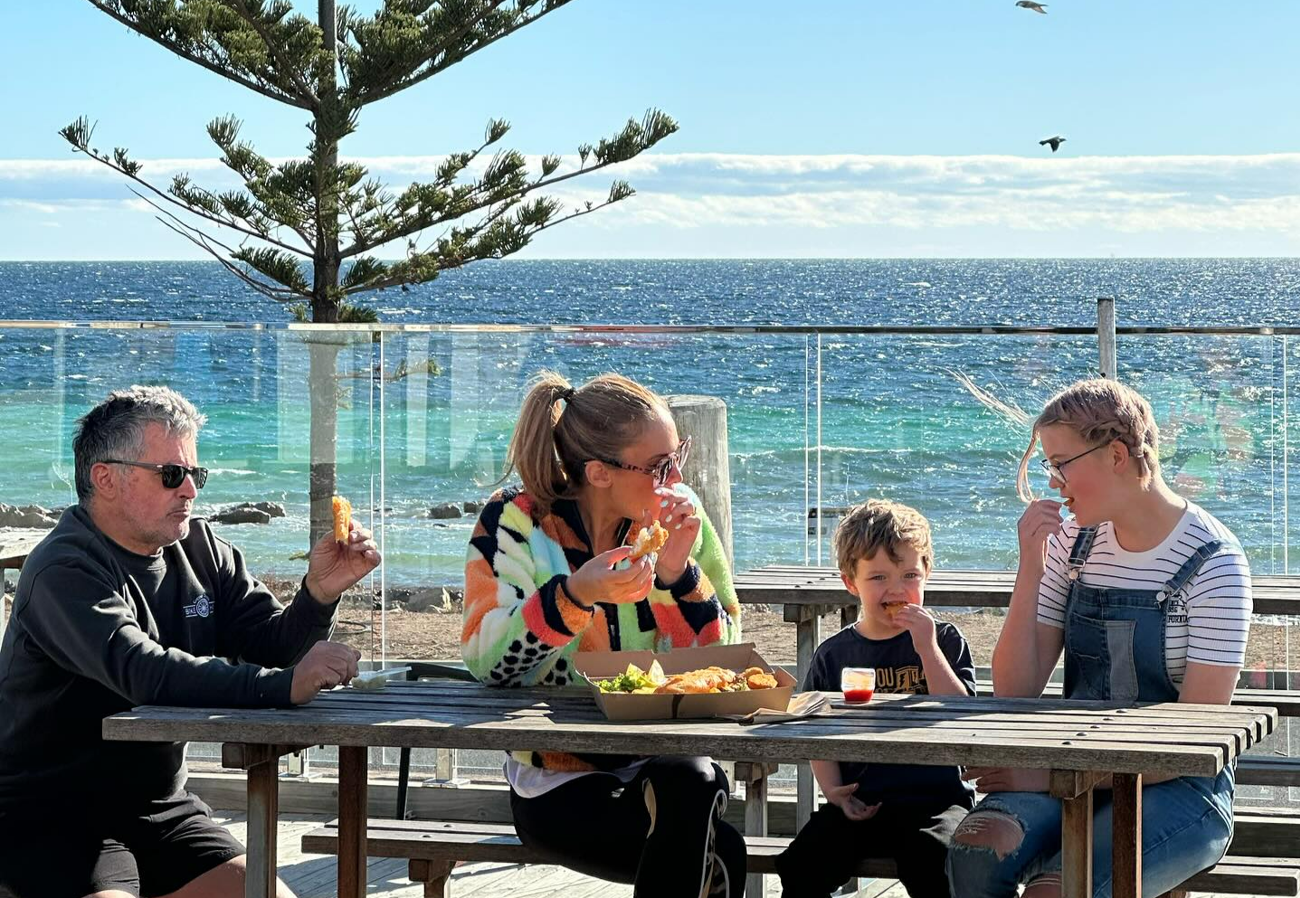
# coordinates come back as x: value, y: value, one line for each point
x: 307, y: 230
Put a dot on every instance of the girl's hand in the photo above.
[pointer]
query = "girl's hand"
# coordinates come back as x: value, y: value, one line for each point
x: 1041, y: 519
x: 599, y: 581
x: 678, y: 516
x: 1008, y: 779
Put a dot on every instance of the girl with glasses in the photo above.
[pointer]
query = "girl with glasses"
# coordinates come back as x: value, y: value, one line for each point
x: 548, y: 574
x: 1148, y: 596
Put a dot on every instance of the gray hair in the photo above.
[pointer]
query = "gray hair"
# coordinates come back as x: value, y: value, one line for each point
x: 115, y: 428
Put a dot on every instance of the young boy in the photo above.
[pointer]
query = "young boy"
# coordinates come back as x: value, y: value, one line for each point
x: 901, y: 811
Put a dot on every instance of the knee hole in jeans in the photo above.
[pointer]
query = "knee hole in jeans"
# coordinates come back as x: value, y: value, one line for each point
x: 1046, y: 885
x: 997, y: 831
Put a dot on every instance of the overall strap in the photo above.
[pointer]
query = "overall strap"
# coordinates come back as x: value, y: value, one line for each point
x: 1178, y: 582
x: 1079, y: 554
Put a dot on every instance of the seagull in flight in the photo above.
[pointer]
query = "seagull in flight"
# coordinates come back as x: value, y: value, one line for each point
x: 1055, y: 142
x: 1030, y: 4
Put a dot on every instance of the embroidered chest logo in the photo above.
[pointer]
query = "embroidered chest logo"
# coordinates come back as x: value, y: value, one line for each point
x: 202, y: 607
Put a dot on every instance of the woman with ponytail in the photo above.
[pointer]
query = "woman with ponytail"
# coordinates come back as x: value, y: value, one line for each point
x: 1149, y: 597
x: 548, y: 575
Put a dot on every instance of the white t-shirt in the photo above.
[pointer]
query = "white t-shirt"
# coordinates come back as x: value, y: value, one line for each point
x: 1212, y: 626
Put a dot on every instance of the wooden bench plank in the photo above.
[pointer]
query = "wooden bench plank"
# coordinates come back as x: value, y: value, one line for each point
x: 442, y: 841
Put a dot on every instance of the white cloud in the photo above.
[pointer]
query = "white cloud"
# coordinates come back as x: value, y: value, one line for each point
x: 972, y: 204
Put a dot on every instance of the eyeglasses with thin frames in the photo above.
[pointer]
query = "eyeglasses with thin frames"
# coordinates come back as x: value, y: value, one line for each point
x: 663, y: 469
x: 172, y: 475
x: 1056, y: 471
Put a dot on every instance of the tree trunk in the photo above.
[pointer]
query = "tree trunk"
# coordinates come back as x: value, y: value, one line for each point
x: 323, y: 377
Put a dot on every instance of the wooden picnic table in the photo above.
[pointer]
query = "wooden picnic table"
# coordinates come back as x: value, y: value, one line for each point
x: 1079, y: 742
x: 810, y: 593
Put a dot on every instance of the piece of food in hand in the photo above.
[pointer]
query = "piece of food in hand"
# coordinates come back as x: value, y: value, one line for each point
x: 892, y: 609
x: 342, y: 519
x: 650, y: 539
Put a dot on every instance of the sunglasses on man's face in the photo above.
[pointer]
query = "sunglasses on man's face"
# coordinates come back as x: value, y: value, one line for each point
x: 172, y: 475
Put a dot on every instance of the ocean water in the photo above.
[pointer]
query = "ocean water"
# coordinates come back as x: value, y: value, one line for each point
x: 837, y: 415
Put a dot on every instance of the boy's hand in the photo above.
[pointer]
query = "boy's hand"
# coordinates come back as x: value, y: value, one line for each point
x: 852, y: 808
x: 919, y: 622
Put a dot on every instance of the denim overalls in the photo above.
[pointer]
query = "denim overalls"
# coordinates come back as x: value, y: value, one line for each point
x: 1114, y: 651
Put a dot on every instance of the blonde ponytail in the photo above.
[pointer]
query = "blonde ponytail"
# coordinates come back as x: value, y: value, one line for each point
x: 561, y: 428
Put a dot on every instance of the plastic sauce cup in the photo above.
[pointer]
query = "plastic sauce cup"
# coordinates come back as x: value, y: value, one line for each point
x: 858, y: 683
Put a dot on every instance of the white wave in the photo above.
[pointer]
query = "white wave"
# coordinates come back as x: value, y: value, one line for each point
x: 240, y: 471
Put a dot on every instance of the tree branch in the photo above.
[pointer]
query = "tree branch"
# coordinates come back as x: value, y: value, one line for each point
x: 279, y: 294
x: 402, y: 84
x: 273, y: 48
x: 201, y: 213
x: 251, y: 84
x: 358, y: 248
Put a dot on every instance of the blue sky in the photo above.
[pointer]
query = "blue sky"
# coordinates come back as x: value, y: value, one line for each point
x: 825, y: 128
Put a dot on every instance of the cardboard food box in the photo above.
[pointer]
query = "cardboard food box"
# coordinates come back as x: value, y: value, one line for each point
x: 626, y: 706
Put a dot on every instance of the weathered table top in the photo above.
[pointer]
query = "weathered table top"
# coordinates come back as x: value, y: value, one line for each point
x: 799, y: 585
x: 1037, y: 733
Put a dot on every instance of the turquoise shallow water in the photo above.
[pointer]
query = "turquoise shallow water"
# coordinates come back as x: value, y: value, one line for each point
x: 894, y: 419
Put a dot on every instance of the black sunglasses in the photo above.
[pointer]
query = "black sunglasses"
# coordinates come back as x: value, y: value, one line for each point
x: 663, y: 468
x: 172, y: 475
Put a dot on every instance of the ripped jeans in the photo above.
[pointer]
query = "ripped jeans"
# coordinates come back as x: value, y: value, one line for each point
x: 1015, y: 837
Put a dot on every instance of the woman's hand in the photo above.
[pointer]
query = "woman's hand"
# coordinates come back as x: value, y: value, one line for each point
x: 854, y: 808
x: 678, y: 516
x: 1007, y: 779
x: 599, y: 581
x: 1041, y: 519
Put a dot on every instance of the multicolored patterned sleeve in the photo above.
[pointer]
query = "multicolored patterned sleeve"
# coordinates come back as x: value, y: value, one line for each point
x: 518, y: 617
x: 701, y: 608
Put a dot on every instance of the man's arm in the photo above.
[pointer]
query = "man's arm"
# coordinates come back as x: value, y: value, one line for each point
x: 252, y: 624
x: 77, y: 616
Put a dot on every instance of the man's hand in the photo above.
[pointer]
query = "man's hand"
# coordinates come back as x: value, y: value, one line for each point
x: 1008, y: 779
x: 326, y: 665
x: 853, y: 808
x: 333, y: 567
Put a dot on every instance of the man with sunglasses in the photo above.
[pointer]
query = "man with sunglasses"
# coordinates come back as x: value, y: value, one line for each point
x: 129, y: 602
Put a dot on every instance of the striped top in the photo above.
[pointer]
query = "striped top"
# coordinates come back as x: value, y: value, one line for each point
x: 1207, y: 625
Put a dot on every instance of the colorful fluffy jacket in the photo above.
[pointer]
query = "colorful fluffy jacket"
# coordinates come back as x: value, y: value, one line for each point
x: 522, y: 629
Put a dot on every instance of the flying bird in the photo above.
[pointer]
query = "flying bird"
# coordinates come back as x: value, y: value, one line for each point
x: 1030, y: 4
x: 1054, y: 142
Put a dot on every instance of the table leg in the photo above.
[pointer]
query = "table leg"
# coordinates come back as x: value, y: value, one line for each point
x: 263, y: 811
x: 1126, y: 792
x: 755, y: 815
x: 1076, y: 845
x: 352, y: 820
x: 809, y: 625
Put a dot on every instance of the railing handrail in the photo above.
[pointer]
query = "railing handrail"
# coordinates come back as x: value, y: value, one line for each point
x: 670, y: 329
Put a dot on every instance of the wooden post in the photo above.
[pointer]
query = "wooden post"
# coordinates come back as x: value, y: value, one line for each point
x: 353, y: 772
x: 1106, y: 337
x: 263, y: 812
x: 1076, y: 846
x: 808, y: 635
x: 1126, y: 833
x: 754, y: 775
x: 708, y: 470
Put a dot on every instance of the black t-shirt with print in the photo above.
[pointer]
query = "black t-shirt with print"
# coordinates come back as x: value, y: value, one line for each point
x: 898, y: 669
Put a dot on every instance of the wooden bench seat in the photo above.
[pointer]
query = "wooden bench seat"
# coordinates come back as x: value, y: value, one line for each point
x: 434, y: 848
